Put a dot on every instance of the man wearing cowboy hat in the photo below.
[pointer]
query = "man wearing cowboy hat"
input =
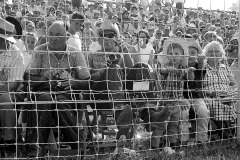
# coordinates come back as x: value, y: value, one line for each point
x: 11, y: 73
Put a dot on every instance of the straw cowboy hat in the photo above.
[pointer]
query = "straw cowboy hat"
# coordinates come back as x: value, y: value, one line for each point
x: 162, y: 58
x: 191, y: 27
x: 6, y: 30
x: 193, y: 43
x: 179, y: 28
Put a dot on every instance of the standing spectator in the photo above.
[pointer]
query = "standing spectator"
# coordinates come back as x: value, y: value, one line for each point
x: 144, y: 49
x: 193, y: 91
x: 172, y: 85
x: 90, y: 12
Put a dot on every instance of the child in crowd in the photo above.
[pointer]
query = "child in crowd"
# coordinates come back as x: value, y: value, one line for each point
x: 30, y: 41
x: 173, y: 74
x: 88, y: 29
x: 59, y: 14
x: 193, y: 91
x: 30, y: 28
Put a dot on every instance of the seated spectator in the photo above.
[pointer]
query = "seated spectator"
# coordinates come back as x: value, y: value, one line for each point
x: 70, y: 68
x: 107, y: 72
x: 76, y: 28
x: 144, y: 49
x: 157, y: 45
x: 219, y: 82
x: 232, y: 58
x: 30, y: 27
x: 30, y: 41
x: 59, y: 14
x: 128, y: 40
x: 11, y: 75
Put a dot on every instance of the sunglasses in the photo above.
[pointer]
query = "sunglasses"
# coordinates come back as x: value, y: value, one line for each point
x: 107, y: 34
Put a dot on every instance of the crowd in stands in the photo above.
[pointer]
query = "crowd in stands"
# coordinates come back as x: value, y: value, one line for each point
x: 54, y: 56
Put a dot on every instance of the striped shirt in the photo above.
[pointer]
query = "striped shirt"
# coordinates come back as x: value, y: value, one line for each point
x: 11, y: 66
x: 45, y: 61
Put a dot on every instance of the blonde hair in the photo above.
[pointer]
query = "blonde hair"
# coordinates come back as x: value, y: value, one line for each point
x: 214, y: 44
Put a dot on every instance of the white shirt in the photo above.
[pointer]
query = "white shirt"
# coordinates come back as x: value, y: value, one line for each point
x: 26, y: 55
x: 75, y: 41
x: 11, y: 66
x: 144, y: 53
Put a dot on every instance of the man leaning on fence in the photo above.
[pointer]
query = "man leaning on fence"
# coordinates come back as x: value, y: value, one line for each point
x: 64, y: 70
x: 11, y: 73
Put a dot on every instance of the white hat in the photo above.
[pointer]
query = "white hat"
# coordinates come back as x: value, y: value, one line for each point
x: 108, y: 25
x: 6, y: 30
x: 178, y: 40
x: 193, y: 43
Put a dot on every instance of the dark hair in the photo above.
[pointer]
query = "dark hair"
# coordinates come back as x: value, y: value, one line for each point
x: 78, y: 15
x: 146, y: 33
x: 130, y: 36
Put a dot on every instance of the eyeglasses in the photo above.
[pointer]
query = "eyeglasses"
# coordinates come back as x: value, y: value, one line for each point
x: 107, y: 34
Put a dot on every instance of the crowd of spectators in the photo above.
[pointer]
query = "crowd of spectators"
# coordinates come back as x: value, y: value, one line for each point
x: 165, y: 61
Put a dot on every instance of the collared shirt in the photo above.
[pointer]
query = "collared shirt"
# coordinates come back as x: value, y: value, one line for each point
x: 45, y: 61
x: 11, y: 66
x: 217, y: 80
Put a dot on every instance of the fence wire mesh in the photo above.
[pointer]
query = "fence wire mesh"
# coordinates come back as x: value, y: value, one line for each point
x: 118, y: 80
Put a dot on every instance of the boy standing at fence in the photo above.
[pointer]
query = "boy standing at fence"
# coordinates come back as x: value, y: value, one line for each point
x: 192, y: 91
x: 172, y: 95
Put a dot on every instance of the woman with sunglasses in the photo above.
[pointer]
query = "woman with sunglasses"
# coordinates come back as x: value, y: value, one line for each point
x: 144, y: 49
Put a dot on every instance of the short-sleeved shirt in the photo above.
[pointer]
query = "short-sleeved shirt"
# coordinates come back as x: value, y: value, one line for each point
x: 11, y: 66
x: 72, y: 62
